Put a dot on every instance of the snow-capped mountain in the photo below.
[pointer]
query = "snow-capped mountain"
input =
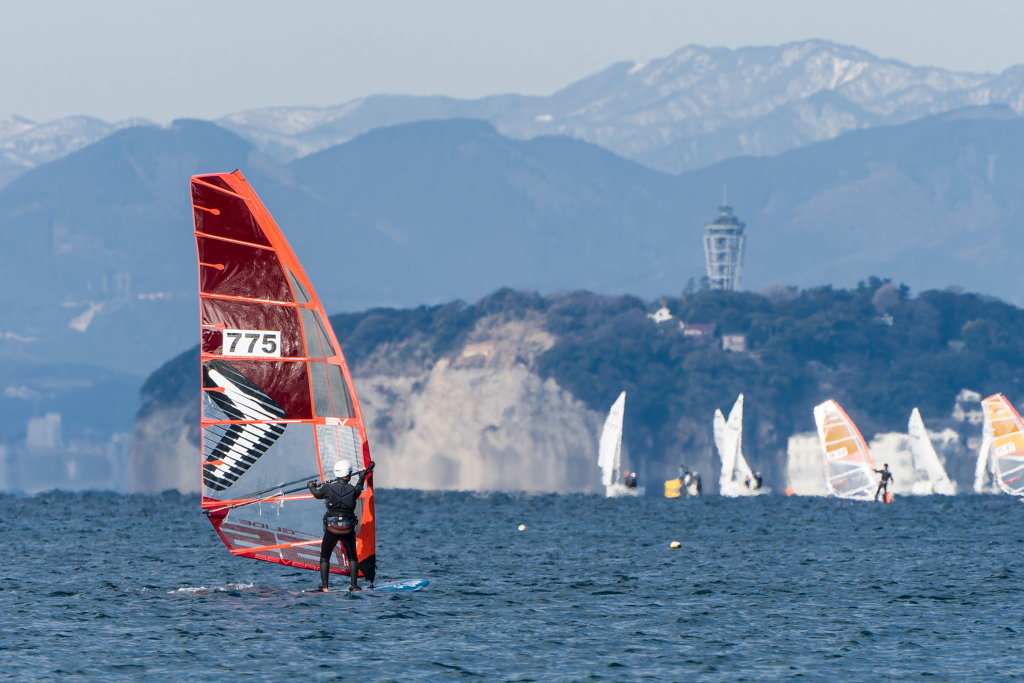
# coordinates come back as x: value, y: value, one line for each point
x: 692, y: 108
x: 25, y: 145
x: 697, y: 106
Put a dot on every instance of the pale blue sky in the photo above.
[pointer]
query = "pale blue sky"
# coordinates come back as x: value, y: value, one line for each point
x: 162, y: 60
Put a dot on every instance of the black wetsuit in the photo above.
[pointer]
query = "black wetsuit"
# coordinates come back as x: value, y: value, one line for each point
x: 757, y: 482
x: 883, y: 486
x: 340, y: 499
x: 630, y: 481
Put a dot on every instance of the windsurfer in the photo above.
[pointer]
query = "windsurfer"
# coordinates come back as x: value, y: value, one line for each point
x: 629, y: 480
x: 883, y: 485
x: 340, y: 521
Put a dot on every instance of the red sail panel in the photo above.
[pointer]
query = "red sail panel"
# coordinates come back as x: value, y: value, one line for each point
x: 279, y: 406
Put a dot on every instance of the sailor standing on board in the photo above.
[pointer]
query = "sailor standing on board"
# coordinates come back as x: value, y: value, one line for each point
x: 340, y: 521
x: 883, y: 485
x: 629, y: 480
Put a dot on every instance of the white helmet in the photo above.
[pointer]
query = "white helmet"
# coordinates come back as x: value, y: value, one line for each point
x: 342, y: 469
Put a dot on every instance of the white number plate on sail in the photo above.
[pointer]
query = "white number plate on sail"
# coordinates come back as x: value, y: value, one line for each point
x: 840, y: 452
x: 252, y: 343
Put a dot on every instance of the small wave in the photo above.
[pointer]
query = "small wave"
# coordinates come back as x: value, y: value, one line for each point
x: 203, y: 590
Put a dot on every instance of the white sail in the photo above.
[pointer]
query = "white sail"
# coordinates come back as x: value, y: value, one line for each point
x: 983, y: 463
x: 609, y: 454
x: 925, y: 457
x: 725, y: 443
x: 736, y: 478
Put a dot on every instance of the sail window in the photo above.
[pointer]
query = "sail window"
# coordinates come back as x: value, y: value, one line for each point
x: 330, y: 395
x: 301, y: 295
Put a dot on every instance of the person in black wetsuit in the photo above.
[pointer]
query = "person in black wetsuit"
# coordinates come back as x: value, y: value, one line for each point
x: 629, y: 480
x: 883, y: 485
x: 340, y: 521
x: 758, y: 479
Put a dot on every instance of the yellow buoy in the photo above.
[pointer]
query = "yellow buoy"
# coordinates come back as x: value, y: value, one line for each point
x: 522, y: 527
x: 675, y: 544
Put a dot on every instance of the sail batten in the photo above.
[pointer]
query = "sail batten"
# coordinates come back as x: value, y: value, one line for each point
x: 277, y: 399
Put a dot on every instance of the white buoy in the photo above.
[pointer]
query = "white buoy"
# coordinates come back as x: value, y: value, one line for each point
x: 522, y: 527
x: 675, y: 544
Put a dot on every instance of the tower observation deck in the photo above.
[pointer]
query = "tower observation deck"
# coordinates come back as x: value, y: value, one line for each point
x: 723, y: 250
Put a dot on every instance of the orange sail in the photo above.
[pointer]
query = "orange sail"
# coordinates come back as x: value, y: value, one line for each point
x: 278, y: 403
x: 1007, y: 448
x: 849, y: 470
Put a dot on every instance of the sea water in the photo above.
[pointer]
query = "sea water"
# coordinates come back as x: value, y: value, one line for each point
x: 107, y: 587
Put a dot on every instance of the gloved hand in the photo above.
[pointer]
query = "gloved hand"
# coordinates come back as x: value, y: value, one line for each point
x: 312, y: 484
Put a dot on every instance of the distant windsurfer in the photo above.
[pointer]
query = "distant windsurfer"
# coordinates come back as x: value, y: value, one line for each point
x: 629, y: 480
x: 883, y: 485
x: 340, y: 520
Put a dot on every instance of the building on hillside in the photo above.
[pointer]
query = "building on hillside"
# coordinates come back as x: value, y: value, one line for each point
x: 723, y: 250
x: 804, y: 476
x: 661, y: 315
x: 697, y: 331
x: 734, y: 342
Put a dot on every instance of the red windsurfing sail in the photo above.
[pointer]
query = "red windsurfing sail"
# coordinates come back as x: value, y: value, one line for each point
x: 279, y: 407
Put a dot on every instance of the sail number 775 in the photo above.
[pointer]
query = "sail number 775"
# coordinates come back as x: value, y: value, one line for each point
x: 252, y: 343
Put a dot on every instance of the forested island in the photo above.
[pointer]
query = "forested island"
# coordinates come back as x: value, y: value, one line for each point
x: 874, y: 348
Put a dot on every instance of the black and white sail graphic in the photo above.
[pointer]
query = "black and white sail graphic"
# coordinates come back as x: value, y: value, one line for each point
x: 231, y: 449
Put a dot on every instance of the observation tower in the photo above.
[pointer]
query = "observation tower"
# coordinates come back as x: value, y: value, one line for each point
x: 723, y: 250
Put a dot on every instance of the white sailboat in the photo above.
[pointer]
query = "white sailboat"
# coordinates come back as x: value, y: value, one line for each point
x: 736, y: 478
x: 927, y: 460
x: 609, y: 454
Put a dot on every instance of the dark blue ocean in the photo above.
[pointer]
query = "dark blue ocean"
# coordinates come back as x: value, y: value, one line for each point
x: 105, y: 587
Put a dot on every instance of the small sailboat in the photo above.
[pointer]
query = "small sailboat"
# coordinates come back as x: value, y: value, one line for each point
x: 927, y: 460
x: 609, y: 454
x: 1004, y: 431
x: 849, y: 470
x: 736, y: 478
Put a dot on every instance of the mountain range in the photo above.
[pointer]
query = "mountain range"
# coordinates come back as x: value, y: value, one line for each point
x: 695, y: 107
x: 692, y: 108
x: 99, y: 265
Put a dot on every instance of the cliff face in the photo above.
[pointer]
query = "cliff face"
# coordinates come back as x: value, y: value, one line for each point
x: 480, y: 419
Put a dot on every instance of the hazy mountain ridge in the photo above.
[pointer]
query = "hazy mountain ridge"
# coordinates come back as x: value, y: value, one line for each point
x: 25, y: 145
x: 100, y: 264
x: 692, y: 108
